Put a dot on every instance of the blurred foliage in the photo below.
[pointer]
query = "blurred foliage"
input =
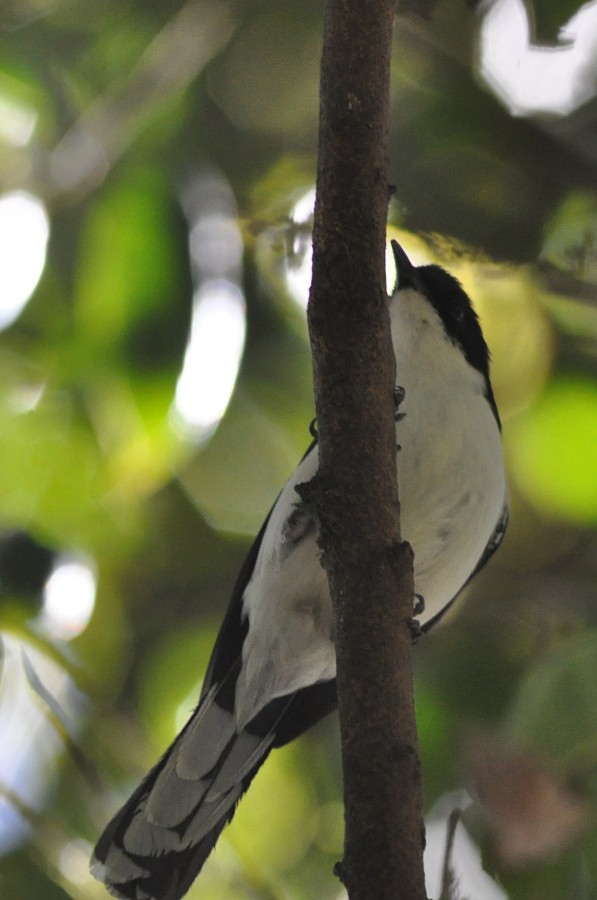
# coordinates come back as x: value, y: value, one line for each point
x: 112, y: 114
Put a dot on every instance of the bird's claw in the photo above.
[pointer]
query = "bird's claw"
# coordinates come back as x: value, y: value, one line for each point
x: 415, y: 627
x: 399, y: 395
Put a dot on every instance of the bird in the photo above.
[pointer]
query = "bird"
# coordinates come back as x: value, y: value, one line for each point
x: 271, y: 674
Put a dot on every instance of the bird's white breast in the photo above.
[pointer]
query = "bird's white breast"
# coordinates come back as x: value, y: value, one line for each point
x: 450, y: 468
x: 452, y: 492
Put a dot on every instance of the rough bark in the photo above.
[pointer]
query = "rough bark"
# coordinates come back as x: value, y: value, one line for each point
x: 355, y: 492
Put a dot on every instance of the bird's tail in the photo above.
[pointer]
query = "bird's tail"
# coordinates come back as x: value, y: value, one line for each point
x: 157, y: 843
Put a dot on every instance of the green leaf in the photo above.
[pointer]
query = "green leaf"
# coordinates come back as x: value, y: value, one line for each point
x: 237, y: 477
x: 126, y: 263
x: 571, y: 235
x: 50, y: 475
x: 552, y: 450
x: 555, y: 710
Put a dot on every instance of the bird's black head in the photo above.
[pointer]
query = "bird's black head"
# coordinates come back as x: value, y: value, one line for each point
x: 451, y: 303
x: 453, y: 306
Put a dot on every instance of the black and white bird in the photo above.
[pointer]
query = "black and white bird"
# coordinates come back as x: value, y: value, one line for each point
x: 272, y: 670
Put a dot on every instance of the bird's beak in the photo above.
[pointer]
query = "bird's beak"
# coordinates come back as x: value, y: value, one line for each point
x: 406, y: 273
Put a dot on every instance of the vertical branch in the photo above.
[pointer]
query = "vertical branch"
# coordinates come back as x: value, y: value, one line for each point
x: 355, y: 492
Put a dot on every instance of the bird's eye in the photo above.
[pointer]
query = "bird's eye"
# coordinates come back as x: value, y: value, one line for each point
x: 459, y: 314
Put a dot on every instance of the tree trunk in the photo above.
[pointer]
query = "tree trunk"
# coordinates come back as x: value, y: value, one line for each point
x: 355, y: 492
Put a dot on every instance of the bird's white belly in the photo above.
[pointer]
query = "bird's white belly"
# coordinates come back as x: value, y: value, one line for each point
x: 452, y: 492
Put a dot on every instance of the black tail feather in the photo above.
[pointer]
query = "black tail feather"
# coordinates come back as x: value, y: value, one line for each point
x: 156, y: 845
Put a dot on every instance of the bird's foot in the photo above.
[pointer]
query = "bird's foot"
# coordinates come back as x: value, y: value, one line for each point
x: 399, y: 395
x: 416, y: 629
x: 340, y: 870
x: 419, y: 604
